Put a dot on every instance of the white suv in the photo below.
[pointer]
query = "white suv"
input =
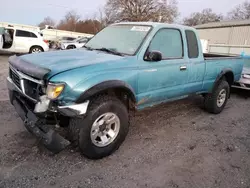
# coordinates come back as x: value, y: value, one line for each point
x: 77, y: 43
x: 21, y: 41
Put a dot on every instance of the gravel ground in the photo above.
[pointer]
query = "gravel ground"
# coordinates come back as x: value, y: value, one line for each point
x: 175, y: 145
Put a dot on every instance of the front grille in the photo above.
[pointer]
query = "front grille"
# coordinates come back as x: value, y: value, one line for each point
x: 15, y: 78
x: 31, y: 88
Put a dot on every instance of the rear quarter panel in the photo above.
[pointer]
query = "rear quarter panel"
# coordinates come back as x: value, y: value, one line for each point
x: 214, y: 67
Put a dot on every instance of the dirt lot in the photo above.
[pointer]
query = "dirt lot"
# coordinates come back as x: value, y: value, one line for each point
x: 174, y: 145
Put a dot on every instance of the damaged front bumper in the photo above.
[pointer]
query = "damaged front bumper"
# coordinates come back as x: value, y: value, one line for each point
x: 37, y: 126
x: 69, y: 110
x: 44, y: 104
x: 34, y: 116
x: 51, y: 140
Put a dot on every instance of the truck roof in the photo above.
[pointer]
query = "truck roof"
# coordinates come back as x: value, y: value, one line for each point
x: 156, y: 24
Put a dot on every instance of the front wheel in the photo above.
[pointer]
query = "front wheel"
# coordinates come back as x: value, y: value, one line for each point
x: 103, y: 129
x: 216, y: 101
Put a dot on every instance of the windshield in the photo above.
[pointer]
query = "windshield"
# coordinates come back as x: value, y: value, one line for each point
x: 125, y: 39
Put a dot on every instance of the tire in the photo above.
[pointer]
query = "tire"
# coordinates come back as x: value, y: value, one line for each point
x: 36, y: 49
x: 99, y: 109
x: 211, y: 101
x: 71, y: 47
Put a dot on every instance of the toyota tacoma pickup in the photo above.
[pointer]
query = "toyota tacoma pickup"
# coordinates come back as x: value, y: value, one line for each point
x: 91, y: 91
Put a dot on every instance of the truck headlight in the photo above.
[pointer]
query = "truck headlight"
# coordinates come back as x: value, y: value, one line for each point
x: 54, y: 90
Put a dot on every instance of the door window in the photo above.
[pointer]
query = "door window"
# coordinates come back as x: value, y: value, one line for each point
x: 20, y: 33
x: 32, y: 35
x: 168, y: 42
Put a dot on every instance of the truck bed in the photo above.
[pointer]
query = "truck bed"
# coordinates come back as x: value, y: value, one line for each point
x: 210, y: 56
x: 216, y: 63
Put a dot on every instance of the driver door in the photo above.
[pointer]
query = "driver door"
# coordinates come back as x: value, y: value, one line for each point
x: 166, y: 79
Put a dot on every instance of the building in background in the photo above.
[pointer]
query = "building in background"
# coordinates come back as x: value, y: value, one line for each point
x: 228, y: 37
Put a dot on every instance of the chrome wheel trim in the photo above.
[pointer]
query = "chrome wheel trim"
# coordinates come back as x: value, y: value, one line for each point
x: 105, y: 129
x: 36, y: 50
x: 221, y: 98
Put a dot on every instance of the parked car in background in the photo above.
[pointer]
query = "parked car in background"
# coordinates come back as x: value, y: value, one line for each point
x: 244, y: 82
x: 77, y: 43
x: 56, y: 44
x: 19, y: 40
x: 67, y: 39
x: 127, y: 66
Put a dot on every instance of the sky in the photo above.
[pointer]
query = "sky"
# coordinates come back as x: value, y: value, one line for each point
x: 32, y: 12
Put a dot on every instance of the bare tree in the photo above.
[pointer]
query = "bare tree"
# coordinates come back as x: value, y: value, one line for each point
x: 69, y: 22
x: 140, y: 10
x: 205, y: 16
x: 90, y: 26
x: 240, y: 12
x: 47, y: 21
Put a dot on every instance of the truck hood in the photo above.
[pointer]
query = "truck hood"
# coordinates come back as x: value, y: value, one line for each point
x: 54, y: 62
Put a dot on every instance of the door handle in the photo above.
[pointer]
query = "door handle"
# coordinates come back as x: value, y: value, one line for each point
x: 182, y: 68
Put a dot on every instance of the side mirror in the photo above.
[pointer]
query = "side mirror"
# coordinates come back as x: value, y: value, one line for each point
x: 154, y: 56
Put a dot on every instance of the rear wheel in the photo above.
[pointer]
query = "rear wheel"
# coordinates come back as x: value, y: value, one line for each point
x: 36, y: 49
x: 216, y: 101
x: 103, y: 129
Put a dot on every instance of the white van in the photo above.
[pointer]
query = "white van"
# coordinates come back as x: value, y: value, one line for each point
x: 20, y: 40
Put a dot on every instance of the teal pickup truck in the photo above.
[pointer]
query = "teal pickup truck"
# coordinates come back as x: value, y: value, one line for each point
x: 125, y: 67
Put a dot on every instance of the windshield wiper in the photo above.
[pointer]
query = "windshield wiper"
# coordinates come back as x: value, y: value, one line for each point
x: 109, y: 51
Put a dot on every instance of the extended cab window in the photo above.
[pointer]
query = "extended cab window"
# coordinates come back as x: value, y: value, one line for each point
x: 168, y: 42
x: 20, y: 33
x: 192, y: 44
